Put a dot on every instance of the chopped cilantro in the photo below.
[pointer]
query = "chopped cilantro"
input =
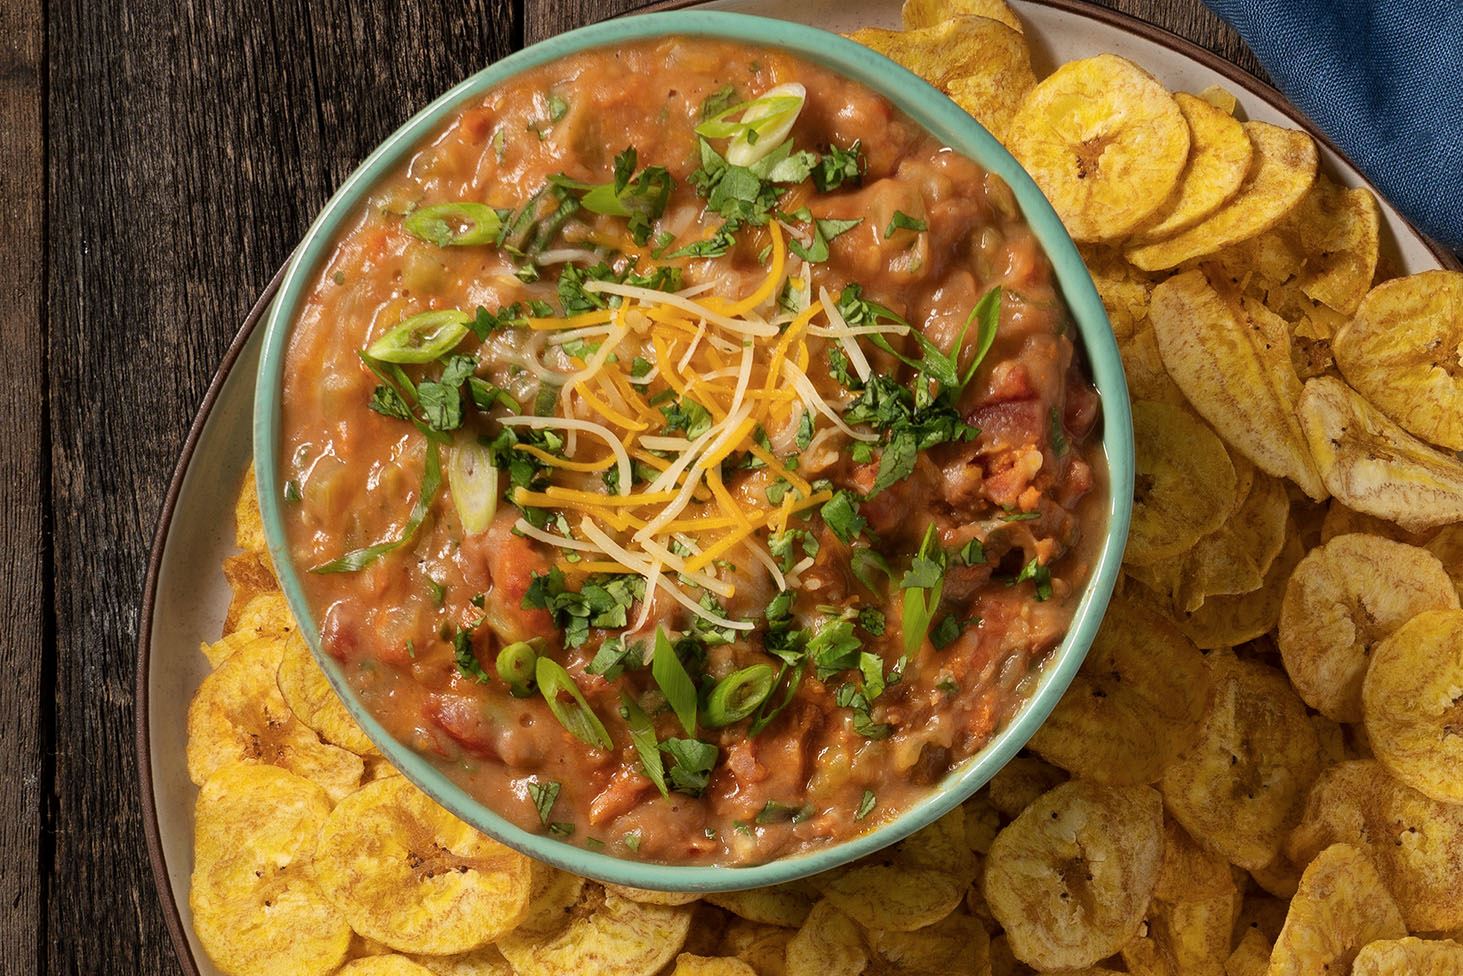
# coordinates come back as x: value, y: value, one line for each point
x: 865, y: 805
x: 558, y: 106
x: 544, y: 795
x: 823, y: 232
x: 945, y: 632
x: 774, y: 812
x: 1057, y: 435
x: 840, y: 513
x: 949, y: 686
x: 602, y: 601
x: 871, y: 619
x: 691, y: 763
x: 839, y: 166
x: 1040, y: 576
x: 718, y: 101
x: 834, y: 647
x: 632, y: 840
x: 903, y: 221
x: 466, y: 658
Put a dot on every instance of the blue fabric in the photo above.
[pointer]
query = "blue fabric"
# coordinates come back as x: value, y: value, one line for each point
x: 1382, y: 78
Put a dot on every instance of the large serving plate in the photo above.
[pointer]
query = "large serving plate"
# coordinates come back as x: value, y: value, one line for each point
x: 186, y: 597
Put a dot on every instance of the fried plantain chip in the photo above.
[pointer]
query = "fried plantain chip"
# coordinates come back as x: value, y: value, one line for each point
x: 1185, y: 483
x: 239, y: 715
x: 1343, y: 599
x: 1374, y: 466
x: 690, y: 965
x: 1188, y: 872
x: 1281, y: 172
x: 1070, y: 878
x: 1339, y: 229
x: 1221, y: 98
x: 1106, y: 143
x: 1143, y: 367
x: 785, y: 905
x: 927, y: 13
x: 1447, y: 546
x: 487, y: 961
x: 1238, y: 789
x: 827, y: 944
x: 1415, y: 842
x: 1184, y: 938
x: 607, y: 935
x: 1402, y: 352
x: 1340, y: 520
x: 1017, y: 784
x: 1261, y: 912
x: 1234, y: 558
x: 646, y: 896
x: 763, y: 947
x: 981, y: 63
x: 1135, y: 704
x: 256, y: 909
x: 1232, y: 360
x: 982, y: 822
x: 249, y: 576
x: 1228, y: 621
x: 954, y: 946
x: 248, y: 522
x: 1412, y: 698
x: 1409, y: 957
x: 552, y: 899
x: 1124, y: 289
x: 918, y: 882
x: 410, y: 875
x: 219, y: 651
x: 1341, y: 906
x: 314, y: 702
x: 1280, y: 877
x: 1251, y: 957
x: 1219, y: 158
x: 392, y: 965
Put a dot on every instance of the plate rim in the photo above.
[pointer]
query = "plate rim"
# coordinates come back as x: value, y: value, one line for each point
x: 162, y: 884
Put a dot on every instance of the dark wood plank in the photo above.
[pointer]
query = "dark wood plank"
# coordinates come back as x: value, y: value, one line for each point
x: 190, y: 143
x: 22, y: 482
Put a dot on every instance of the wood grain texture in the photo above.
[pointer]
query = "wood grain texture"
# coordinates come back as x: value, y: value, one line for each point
x: 23, y: 478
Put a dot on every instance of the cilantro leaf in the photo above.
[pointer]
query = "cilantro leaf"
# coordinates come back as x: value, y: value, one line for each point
x: 465, y: 658
x: 903, y: 221
x: 544, y: 795
x: 840, y: 514
x: 692, y: 763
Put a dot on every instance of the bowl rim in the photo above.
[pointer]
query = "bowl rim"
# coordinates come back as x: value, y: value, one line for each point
x: 956, y: 129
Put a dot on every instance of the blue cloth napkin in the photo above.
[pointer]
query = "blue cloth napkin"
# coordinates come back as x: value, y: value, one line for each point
x: 1382, y: 78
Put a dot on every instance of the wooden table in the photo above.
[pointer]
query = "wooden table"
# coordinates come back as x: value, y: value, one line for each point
x: 158, y: 161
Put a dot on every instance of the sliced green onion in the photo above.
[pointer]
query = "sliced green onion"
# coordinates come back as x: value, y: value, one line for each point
x: 738, y: 695
x: 516, y: 665
x: 473, y: 481
x: 670, y: 674
x: 647, y: 746
x: 921, y: 601
x: 358, y: 559
x: 761, y: 125
x: 576, y: 716
x: 789, y: 693
x: 454, y: 224
x: 421, y: 338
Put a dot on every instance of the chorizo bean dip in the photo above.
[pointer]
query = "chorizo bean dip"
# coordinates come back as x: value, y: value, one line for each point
x: 689, y: 453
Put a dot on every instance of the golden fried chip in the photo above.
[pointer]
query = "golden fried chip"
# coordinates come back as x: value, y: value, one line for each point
x: 314, y: 702
x: 1182, y: 938
x: 1415, y: 842
x: 1227, y: 621
x: 1070, y: 878
x: 1339, y: 229
x: 1232, y: 360
x: 1017, y: 784
x: 1251, y: 957
x: 1219, y: 158
x: 1402, y: 352
x: 827, y: 944
x: 1185, y: 483
x: 1281, y: 172
x: 219, y: 651
x: 1106, y: 143
x: 256, y: 909
x: 1135, y: 704
x: 392, y: 965
x: 763, y: 947
x: 1409, y: 957
x: 1374, y: 466
x: 1188, y: 872
x: 1412, y: 698
x: 1239, y: 788
x: 487, y: 961
x: 1340, y: 520
x: 646, y: 896
x: 927, y: 13
x: 607, y: 935
x: 1124, y: 290
x: 1221, y: 98
x: 239, y: 715
x: 689, y: 965
x: 917, y: 882
x: 785, y: 905
x: 1234, y: 558
x: 982, y: 822
x: 1280, y: 877
x: 1144, y: 369
x: 1447, y: 546
x: 249, y: 576
x: 248, y: 522
x: 1344, y: 598
x: 954, y: 946
x: 982, y: 64
x: 1263, y: 913
x: 1340, y: 907
x: 552, y: 899
x: 411, y: 875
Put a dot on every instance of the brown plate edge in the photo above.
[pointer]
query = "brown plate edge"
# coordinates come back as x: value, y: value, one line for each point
x: 173, y: 921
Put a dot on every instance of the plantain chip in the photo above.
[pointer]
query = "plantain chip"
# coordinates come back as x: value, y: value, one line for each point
x: 256, y: 909
x: 552, y: 899
x: 647, y: 896
x: 1343, y: 599
x: 1221, y: 98
x: 763, y: 947
x: 1070, y: 878
x: 1412, y: 698
x: 1184, y: 938
x: 1251, y: 956
x: 1415, y: 842
x: 982, y: 822
x: 1106, y: 143
x: 410, y: 875
x: 785, y: 905
x: 1238, y: 789
x: 1219, y: 158
x: 1340, y: 520
x: 1403, y: 349
x: 392, y: 965
x: 607, y: 935
x: 954, y: 946
x: 1124, y: 289
x: 1280, y: 877
x: 487, y: 961
x: 1409, y: 957
x: 1232, y: 360
x: 239, y: 715
x: 305, y: 687
x: 1017, y: 784
x: 927, y: 13
x: 1227, y: 621
x: 1339, y: 230
x: 691, y: 965
x: 1341, y: 906
x: 1187, y: 871
x: 1184, y: 485
x: 1133, y: 707
x: 248, y: 521
x: 1144, y: 369
x: 1281, y: 172
x: 1374, y: 466
x: 981, y: 63
x: 1263, y: 913
x: 219, y: 651
x: 249, y: 576
x: 827, y: 944
x: 916, y: 883
x: 1234, y: 559
x: 1447, y: 546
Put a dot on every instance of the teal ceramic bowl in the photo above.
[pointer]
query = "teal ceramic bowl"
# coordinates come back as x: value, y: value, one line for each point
x: 956, y: 129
